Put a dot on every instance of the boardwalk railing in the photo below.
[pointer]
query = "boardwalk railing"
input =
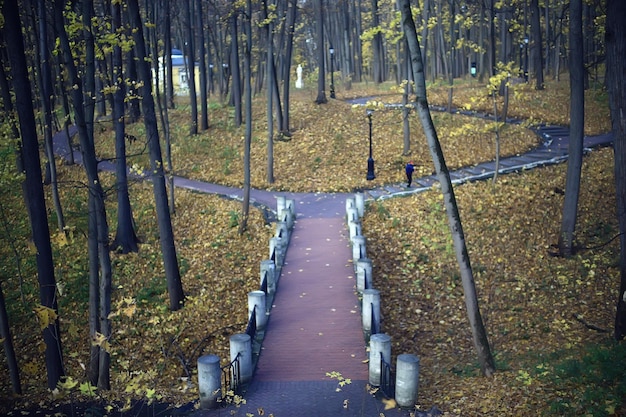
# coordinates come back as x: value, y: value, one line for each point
x: 386, y: 380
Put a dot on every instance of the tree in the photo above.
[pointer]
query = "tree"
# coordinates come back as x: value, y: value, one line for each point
x: 125, y: 237
x: 616, y: 82
x: 191, y: 68
x: 319, y: 34
x: 576, y: 130
x: 98, y: 253
x: 270, y: 96
x: 481, y: 342
x: 535, y: 48
x: 245, y: 206
x: 168, y: 248
x: 35, y: 198
x: 204, y: 110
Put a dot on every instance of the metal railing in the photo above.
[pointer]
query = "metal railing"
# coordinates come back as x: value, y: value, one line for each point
x: 386, y: 380
x: 375, y: 325
x: 231, y: 377
x: 251, y: 327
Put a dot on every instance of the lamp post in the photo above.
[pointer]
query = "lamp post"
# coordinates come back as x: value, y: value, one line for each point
x: 332, y: 77
x: 526, y: 58
x: 370, y: 160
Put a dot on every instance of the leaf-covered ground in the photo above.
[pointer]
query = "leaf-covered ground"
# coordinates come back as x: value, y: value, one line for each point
x: 528, y: 298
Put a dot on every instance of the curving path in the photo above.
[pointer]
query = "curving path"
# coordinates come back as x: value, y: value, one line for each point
x: 315, y: 322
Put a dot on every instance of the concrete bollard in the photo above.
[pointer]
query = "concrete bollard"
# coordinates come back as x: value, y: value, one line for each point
x: 371, y: 310
x: 363, y: 274
x: 257, y: 299
x: 268, y: 267
x: 352, y: 215
x: 378, y: 343
x: 209, y: 381
x: 280, y: 203
x: 358, y: 248
x: 354, y: 227
x: 276, y: 245
x: 359, y: 198
x: 282, y: 230
x: 241, y: 344
x: 407, y: 380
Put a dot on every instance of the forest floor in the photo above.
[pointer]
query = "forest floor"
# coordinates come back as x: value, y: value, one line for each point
x: 548, y: 318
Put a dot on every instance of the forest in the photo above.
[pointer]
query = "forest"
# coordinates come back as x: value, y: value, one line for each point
x: 112, y: 286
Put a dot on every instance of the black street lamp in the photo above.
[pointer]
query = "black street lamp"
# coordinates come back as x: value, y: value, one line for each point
x: 370, y: 160
x: 332, y: 78
x: 526, y: 58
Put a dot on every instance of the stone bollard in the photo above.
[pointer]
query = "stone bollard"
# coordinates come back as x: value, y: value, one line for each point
x: 282, y: 230
x: 358, y: 249
x: 352, y: 215
x: 276, y: 245
x: 209, y: 381
x: 280, y: 204
x: 241, y: 344
x: 378, y: 343
x: 268, y: 267
x: 363, y: 274
x: 257, y: 299
x: 407, y: 380
x: 371, y: 310
x: 355, y: 228
x: 359, y: 198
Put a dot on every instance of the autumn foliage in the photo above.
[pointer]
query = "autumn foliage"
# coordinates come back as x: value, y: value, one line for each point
x: 536, y: 306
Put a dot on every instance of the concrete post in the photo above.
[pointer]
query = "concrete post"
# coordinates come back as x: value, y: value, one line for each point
x: 359, y: 198
x: 268, y: 267
x: 354, y: 227
x: 358, y: 249
x: 241, y: 344
x: 257, y: 298
x: 209, y: 381
x: 407, y: 380
x: 282, y: 230
x: 378, y: 343
x: 363, y: 274
x: 280, y: 204
x: 371, y: 310
x: 276, y: 244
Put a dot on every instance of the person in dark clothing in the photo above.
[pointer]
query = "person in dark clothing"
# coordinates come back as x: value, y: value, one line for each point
x: 409, y: 173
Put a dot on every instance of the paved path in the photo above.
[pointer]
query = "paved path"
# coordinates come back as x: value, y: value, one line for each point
x: 315, y: 322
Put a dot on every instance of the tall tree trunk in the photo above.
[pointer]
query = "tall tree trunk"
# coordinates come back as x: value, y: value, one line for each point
x: 576, y: 130
x: 481, y: 342
x: 236, y: 73
x: 377, y: 47
x: 167, y: 47
x: 204, y: 108
x: 95, y: 190
x: 536, y: 51
x: 35, y: 197
x: 245, y: 206
x: 168, y: 248
x: 191, y: 69
x: 291, y: 22
x: 125, y: 237
x: 9, y: 352
x: 319, y: 34
x: 616, y: 82
x: 270, y: 107
x: 46, y: 100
